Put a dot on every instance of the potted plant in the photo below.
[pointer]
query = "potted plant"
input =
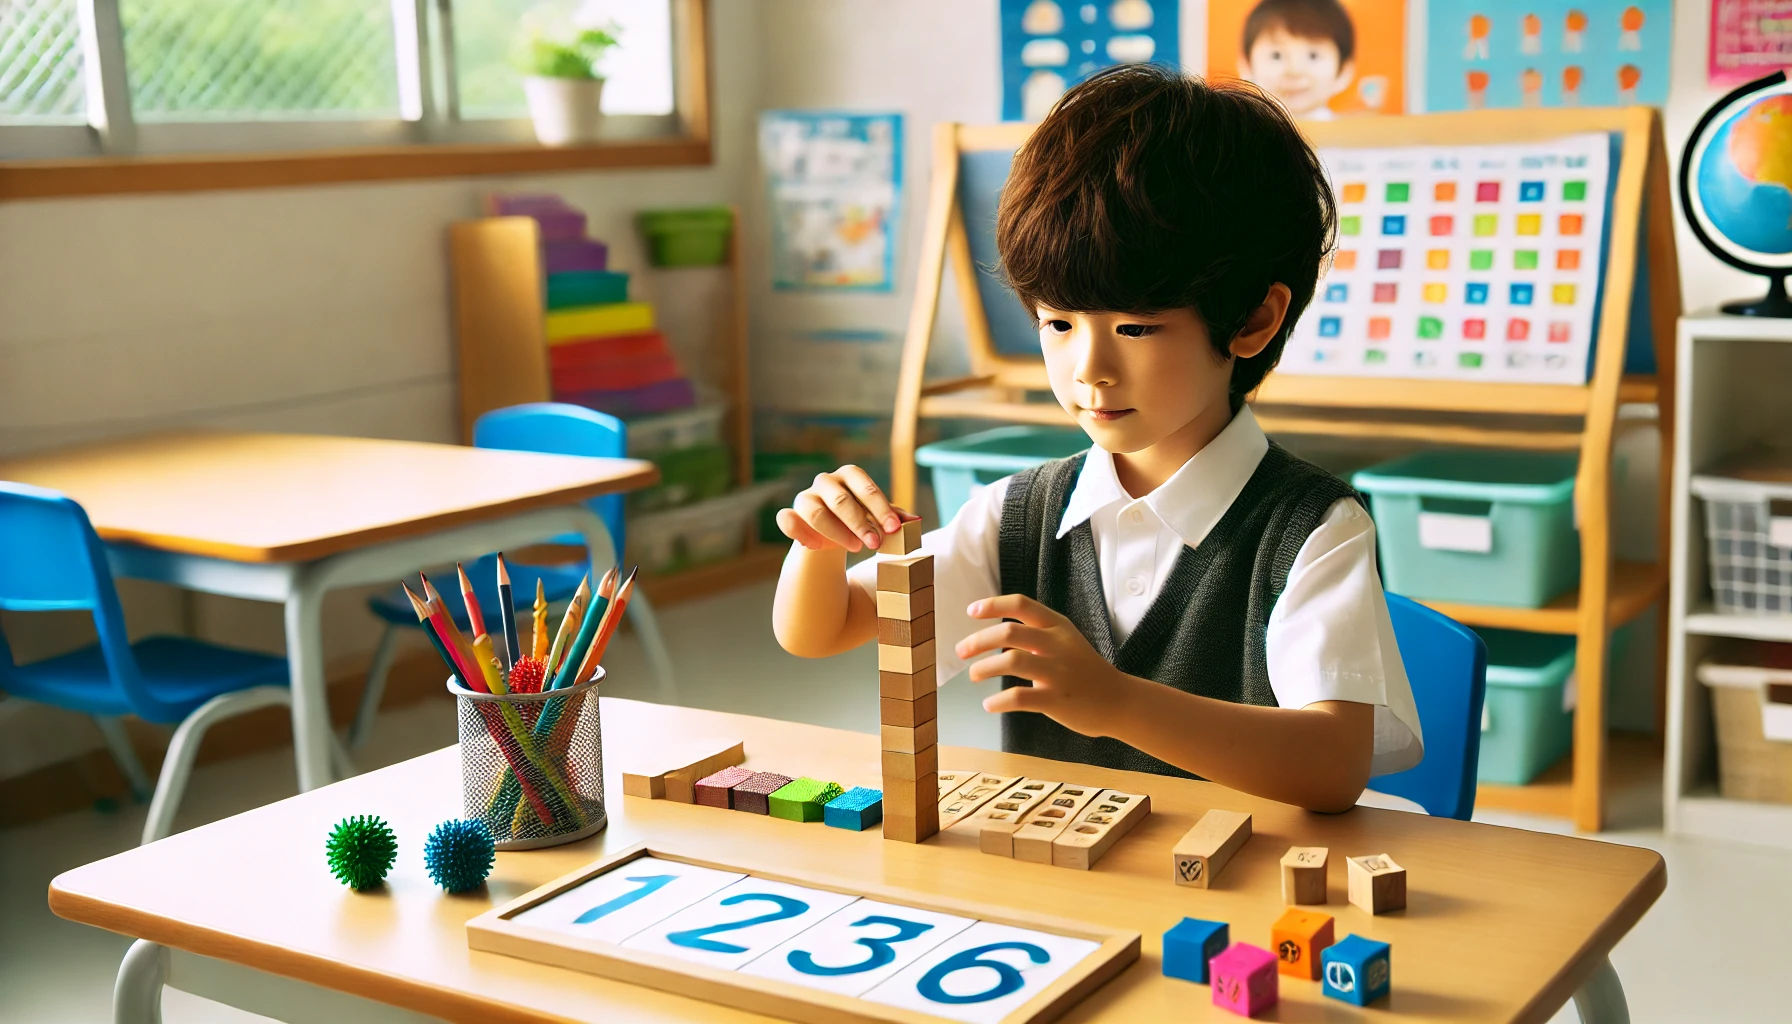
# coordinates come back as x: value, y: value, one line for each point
x: 561, y: 83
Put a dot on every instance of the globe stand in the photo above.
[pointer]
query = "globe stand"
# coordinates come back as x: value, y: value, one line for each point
x: 1775, y: 303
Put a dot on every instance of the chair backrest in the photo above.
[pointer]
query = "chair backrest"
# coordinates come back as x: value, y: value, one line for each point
x: 1447, y: 666
x: 556, y: 428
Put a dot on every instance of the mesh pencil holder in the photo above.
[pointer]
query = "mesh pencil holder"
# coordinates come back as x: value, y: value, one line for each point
x: 532, y: 764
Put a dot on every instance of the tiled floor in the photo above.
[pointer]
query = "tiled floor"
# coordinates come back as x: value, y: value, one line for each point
x: 1710, y: 950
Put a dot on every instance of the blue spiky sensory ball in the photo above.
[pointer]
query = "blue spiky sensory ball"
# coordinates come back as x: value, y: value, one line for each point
x: 361, y: 850
x: 459, y: 853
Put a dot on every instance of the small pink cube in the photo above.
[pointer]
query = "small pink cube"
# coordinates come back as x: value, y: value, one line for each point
x: 1244, y: 979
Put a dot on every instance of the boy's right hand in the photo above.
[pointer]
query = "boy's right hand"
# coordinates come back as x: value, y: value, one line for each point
x: 843, y: 509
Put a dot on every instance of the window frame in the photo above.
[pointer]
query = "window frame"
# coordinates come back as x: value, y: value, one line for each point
x: 114, y: 154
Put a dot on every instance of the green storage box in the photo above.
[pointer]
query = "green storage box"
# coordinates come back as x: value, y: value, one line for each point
x: 1524, y: 727
x: 687, y: 475
x: 966, y: 464
x: 586, y: 288
x: 1483, y: 527
x: 687, y: 238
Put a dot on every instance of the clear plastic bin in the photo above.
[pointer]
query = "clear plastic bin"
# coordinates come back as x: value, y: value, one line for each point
x: 1748, y: 535
x: 702, y: 424
x: 964, y: 465
x: 709, y: 531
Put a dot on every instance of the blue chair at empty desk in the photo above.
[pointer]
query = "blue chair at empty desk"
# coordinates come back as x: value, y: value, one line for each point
x: 51, y: 560
x: 552, y: 428
x: 1447, y: 666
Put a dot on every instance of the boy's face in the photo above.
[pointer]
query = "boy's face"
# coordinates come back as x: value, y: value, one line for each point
x: 1304, y: 72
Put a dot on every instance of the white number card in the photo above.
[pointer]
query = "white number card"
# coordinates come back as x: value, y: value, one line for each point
x: 731, y: 927
x: 858, y: 947
x: 619, y: 903
x: 983, y: 973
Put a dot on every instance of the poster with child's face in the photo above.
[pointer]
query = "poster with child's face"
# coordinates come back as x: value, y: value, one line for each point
x: 1321, y: 58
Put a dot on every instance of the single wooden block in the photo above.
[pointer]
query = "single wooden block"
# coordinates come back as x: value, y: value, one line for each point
x: 1376, y: 884
x: 1191, y: 944
x: 1033, y: 840
x: 801, y: 799
x: 905, y: 575
x: 997, y: 837
x: 1104, y: 820
x: 1299, y: 936
x: 857, y: 809
x: 905, y: 541
x: 1357, y: 970
x: 1202, y: 852
x: 906, y: 799
x: 1303, y: 875
x: 977, y: 790
x: 908, y: 713
x: 1244, y: 979
x: 718, y: 790
x: 908, y: 685
x: 893, y: 605
x: 905, y: 632
x: 681, y: 783
x: 905, y: 829
x: 911, y: 741
x: 689, y: 760
x: 909, y: 767
x: 751, y: 795
x: 908, y: 660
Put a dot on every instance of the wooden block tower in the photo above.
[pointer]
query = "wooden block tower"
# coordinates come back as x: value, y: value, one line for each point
x: 906, y: 687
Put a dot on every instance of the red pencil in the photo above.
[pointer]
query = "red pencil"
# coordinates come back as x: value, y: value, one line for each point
x: 474, y: 618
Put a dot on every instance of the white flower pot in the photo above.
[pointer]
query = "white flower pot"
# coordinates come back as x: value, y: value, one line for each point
x: 566, y: 111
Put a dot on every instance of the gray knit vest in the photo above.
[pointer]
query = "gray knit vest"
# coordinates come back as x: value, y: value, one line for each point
x: 1205, y: 632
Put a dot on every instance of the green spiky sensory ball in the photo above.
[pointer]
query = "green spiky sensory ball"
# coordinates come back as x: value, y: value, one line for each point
x: 361, y: 850
x: 459, y: 854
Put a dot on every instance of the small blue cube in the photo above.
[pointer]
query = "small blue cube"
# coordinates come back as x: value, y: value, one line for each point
x: 857, y: 809
x: 1356, y: 970
x: 1191, y: 944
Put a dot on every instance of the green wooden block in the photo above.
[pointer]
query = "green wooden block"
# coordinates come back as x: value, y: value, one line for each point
x: 803, y: 799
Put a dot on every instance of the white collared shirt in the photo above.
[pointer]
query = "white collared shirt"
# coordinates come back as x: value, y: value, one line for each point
x: 1329, y: 635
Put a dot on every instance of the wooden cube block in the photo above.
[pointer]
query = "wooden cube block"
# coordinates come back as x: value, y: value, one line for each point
x: 903, y: 799
x: 892, y: 605
x: 1376, y: 884
x: 908, y: 685
x: 1004, y: 812
x: 1303, y: 875
x: 1191, y: 944
x: 911, y: 741
x: 1104, y: 820
x: 908, y: 660
x: 905, y: 632
x: 690, y: 760
x: 1299, y: 936
x: 718, y: 790
x: 977, y: 790
x: 1244, y: 979
x: 905, y: 829
x: 908, y: 713
x: 909, y: 767
x: 1203, y: 851
x: 997, y: 837
x: 1033, y: 840
x: 751, y: 795
x: 905, y: 575
x: 905, y: 541
x: 801, y: 799
x: 1357, y: 970
x: 856, y: 809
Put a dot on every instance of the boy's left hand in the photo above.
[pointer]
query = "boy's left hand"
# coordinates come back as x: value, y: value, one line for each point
x: 1072, y: 684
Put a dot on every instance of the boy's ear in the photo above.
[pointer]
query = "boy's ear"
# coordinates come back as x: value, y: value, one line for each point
x: 1263, y: 323
x: 1346, y: 76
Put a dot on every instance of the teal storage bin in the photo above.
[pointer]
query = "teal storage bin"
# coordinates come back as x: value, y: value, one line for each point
x: 963, y: 465
x: 1524, y: 728
x: 1483, y: 527
x: 586, y: 288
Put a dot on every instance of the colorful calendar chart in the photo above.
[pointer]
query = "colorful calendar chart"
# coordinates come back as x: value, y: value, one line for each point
x: 803, y: 949
x: 1462, y: 262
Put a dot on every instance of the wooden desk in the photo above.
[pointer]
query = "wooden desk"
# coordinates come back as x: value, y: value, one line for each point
x: 1501, y: 924
x: 286, y: 517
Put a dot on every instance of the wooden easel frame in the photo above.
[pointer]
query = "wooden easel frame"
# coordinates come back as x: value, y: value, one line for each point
x: 1538, y: 416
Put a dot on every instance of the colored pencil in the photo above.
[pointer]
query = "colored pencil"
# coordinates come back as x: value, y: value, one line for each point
x: 429, y: 630
x: 513, y: 648
x: 569, y: 624
x: 606, y: 629
x: 487, y: 662
x: 581, y: 644
x: 450, y: 632
x: 475, y: 618
x: 538, y: 646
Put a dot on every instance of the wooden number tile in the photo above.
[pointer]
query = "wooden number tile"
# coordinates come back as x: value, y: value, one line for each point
x: 893, y: 605
x: 1104, y: 820
x: 908, y: 713
x: 951, y: 779
x: 1202, y: 852
x: 753, y: 795
x: 1298, y: 937
x: 1303, y: 875
x: 908, y: 660
x: 905, y: 632
x: 909, y: 767
x: 718, y: 790
x: 908, y: 685
x: 652, y: 778
x: 905, y: 541
x: 995, y: 836
x: 1033, y: 840
x: 1377, y: 884
x: 976, y: 792
x: 905, y: 575
x: 1003, y: 814
x: 911, y: 741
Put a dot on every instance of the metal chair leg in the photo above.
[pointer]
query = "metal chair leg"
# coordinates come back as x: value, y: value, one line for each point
x: 1601, y: 999
x: 647, y: 626
x: 177, y: 766
x: 137, y: 994
x: 375, y: 687
x: 119, y: 743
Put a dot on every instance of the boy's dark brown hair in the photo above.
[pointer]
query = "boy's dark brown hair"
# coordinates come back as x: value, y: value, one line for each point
x: 1146, y: 190
x: 1309, y: 19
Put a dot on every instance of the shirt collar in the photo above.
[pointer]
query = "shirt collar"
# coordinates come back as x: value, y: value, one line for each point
x: 1194, y: 497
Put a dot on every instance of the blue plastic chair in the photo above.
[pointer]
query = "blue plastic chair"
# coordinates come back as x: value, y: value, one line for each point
x: 51, y: 560
x: 1447, y: 666
x: 553, y: 428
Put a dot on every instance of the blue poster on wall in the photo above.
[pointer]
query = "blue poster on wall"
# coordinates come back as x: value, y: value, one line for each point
x: 835, y: 179
x: 1483, y: 54
x: 1050, y: 45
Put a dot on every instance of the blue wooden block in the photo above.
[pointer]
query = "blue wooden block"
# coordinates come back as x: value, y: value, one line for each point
x: 1189, y: 945
x: 1356, y: 970
x: 857, y: 809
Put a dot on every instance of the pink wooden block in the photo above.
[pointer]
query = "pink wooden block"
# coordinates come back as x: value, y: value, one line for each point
x: 1244, y: 979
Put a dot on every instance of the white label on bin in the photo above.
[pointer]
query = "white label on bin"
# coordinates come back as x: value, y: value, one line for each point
x: 1571, y: 691
x: 1447, y: 531
x: 1776, y: 721
x: 1779, y: 531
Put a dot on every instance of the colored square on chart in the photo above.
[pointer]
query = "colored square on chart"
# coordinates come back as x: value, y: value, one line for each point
x: 1375, y: 355
x: 1560, y: 330
x: 1480, y: 259
x: 1487, y: 224
x: 1474, y: 330
x: 1430, y: 327
x: 1524, y: 259
x: 1444, y: 191
x: 1572, y: 224
x: 1477, y: 293
x: 1388, y: 259
x: 1355, y: 191
x: 1530, y: 224
x: 1573, y: 190
x: 1350, y: 225
x: 1386, y: 291
x: 1344, y: 259
x: 1330, y: 326
x: 1337, y: 293
x: 1438, y: 259
x: 1530, y: 191
x: 1469, y: 360
x: 1436, y: 291
x: 1443, y: 224
x: 1521, y: 294
x: 1398, y: 191
x: 1518, y: 330
x: 1567, y: 259
x: 1380, y: 327
x: 1487, y: 192
x: 1393, y: 224
x: 1562, y: 294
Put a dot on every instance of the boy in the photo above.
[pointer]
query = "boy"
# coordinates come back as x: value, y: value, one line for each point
x: 1302, y: 52
x: 1185, y: 597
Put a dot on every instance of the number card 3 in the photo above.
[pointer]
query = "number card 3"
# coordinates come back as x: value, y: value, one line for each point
x: 858, y: 947
x: 616, y: 905
x: 735, y: 925
x: 983, y: 973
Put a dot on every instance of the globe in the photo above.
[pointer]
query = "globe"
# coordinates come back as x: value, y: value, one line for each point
x: 1736, y: 186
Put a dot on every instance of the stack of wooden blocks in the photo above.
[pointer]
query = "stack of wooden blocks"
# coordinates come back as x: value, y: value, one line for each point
x: 908, y: 701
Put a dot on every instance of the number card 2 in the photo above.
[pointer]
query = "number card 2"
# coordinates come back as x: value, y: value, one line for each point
x: 733, y: 926
x: 858, y: 947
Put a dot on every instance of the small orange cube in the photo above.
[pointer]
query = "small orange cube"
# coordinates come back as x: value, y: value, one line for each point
x: 1298, y: 938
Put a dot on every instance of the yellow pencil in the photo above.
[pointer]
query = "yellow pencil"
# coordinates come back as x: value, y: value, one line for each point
x: 487, y: 661
x: 569, y: 625
x: 538, y: 644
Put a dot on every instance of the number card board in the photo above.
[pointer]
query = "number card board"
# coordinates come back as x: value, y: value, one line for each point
x: 804, y: 949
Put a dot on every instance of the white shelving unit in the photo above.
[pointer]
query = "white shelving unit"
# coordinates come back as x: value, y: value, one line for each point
x: 1734, y: 390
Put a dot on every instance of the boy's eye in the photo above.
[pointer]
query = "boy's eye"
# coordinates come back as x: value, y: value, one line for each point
x: 1136, y: 330
x: 1055, y: 326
